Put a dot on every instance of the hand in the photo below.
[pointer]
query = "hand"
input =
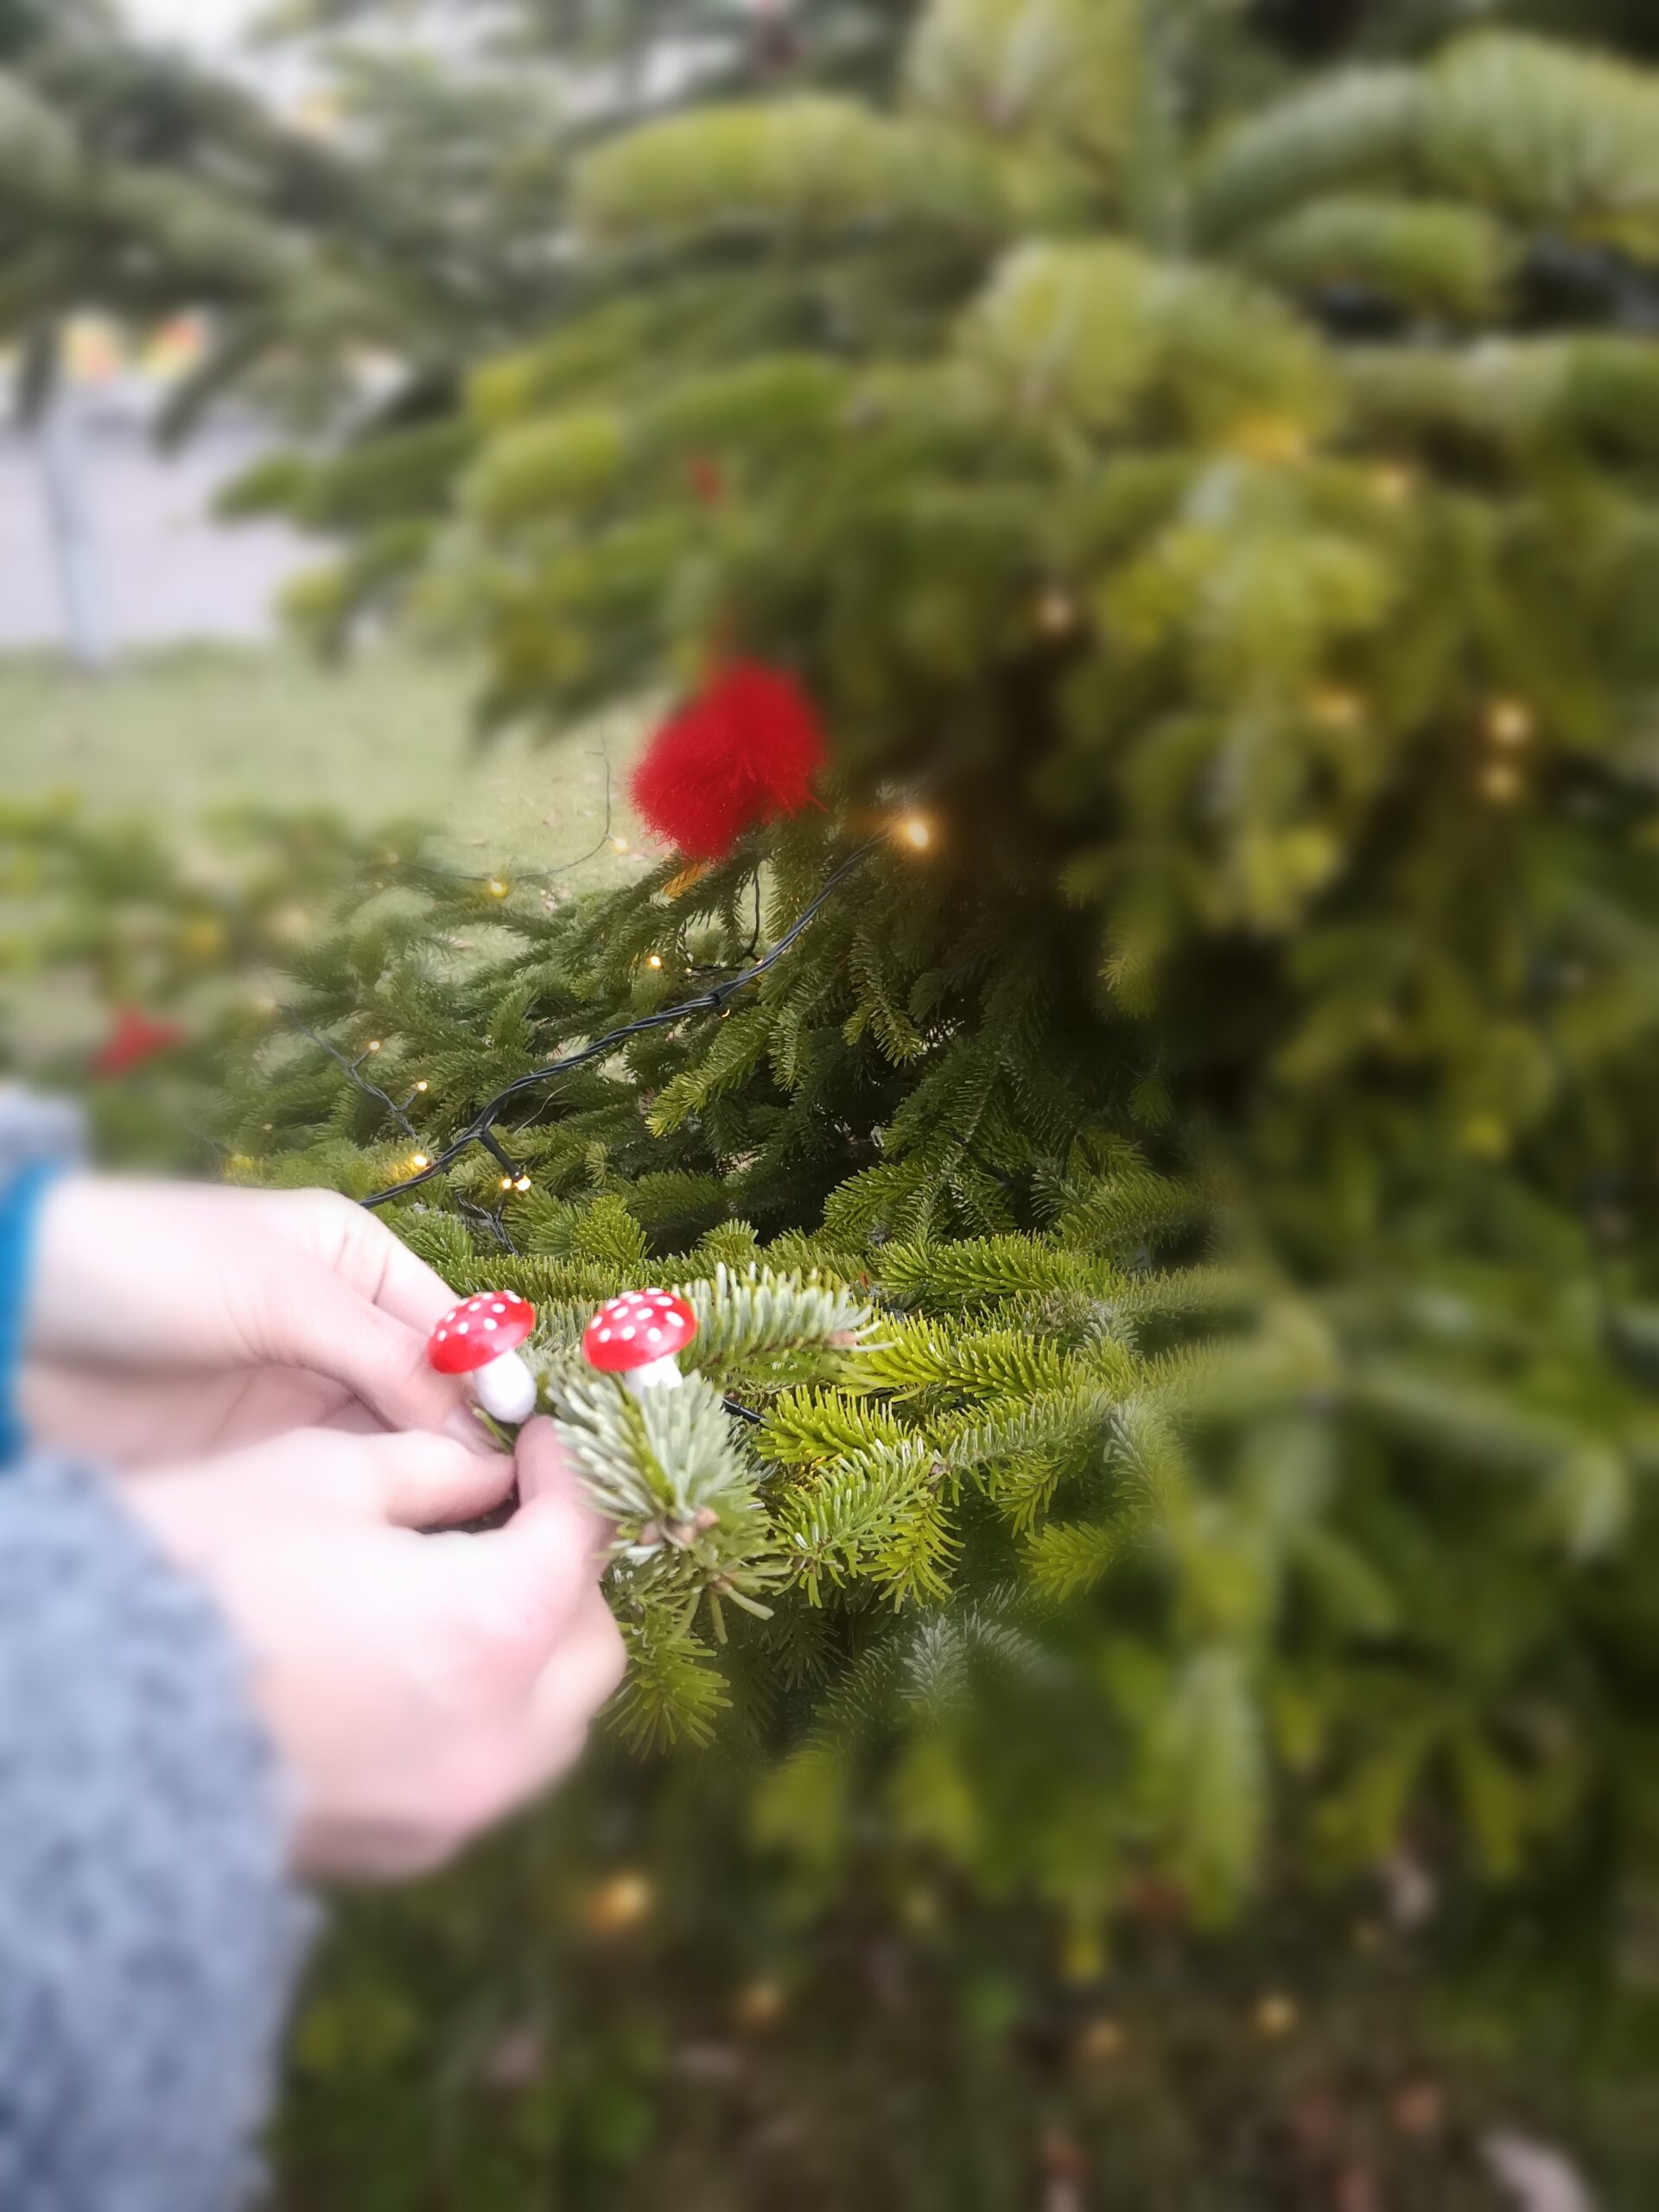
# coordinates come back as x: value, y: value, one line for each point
x: 418, y: 1687
x: 170, y: 1319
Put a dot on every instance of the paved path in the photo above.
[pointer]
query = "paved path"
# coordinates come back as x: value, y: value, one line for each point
x: 168, y: 572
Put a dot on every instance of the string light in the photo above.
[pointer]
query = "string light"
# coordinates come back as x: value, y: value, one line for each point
x: 915, y: 832
x: 477, y: 1130
x: 1275, y: 2017
x: 496, y: 888
x: 522, y: 1184
x: 373, y: 1044
x: 1057, y: 612
x: 421, y: 1084
x: 655, y: 961
x: 618, y: 844
x: 1394, y: 484
x: 420, y: 1159
x: 1273, y: 440
x: 761, y: 2006
x: 1335, y: 708
x: 1510, y: 724
x: 619, y: 1903
x: 1101, y: 2041
x: 1500, y: 783
x: 204, y: 935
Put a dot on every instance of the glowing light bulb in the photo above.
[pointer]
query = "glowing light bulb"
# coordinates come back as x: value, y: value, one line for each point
x: 916, y: 832
x: 619, y: 1903
x: 373, y: 1044
x: 1501, y: 784
x: 1275, y: 2017
x: 421, y: 1084
x: 420, y: 1159
x: 265, y: 1004
x: 1510, y: 723
x: 522, y: 1184
x: 1335, y: 708
x: 655, y: 961
x: 761, y: 2006
x: 507, y: 1182
x: 497, y: 889
x: 620, y: 844
x: 1057, y: 612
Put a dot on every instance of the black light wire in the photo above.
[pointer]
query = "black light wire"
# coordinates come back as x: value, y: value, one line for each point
x: 481, y: 1130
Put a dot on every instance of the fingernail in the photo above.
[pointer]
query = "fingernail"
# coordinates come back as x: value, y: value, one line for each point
x: 467, y: 1428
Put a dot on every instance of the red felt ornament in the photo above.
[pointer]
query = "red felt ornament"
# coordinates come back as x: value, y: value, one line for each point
x: 134, y: 1039
x: 741, y: 750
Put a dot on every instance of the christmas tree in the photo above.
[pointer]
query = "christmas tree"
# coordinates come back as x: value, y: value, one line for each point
x: 410, y: 202
x: 1173, y: 1221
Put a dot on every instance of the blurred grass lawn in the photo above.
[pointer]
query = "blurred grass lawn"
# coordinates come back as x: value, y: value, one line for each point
x: 181, y: 732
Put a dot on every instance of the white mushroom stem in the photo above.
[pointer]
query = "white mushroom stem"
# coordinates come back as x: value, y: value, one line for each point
x: 507, y: 1389
x: 662, y: 1374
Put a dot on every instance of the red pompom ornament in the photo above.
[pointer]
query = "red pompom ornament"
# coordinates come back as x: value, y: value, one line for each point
x: 740, y: 751
x: 134, y: 1038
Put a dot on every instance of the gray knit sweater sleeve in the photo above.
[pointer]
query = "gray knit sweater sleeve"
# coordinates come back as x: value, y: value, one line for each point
x: 149, y: 1937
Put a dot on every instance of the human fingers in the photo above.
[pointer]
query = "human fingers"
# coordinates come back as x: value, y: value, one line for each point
x: 546, y: 1468
x: 587, y: 1665
x: 545, y: 1735
x: 412, y: 1479
x: 132, y: 1420
x: 407, y: 1478
x: 308, y: 1317
x: 399, y: 1676
x: 125, y: 1421
x: 357, y: 1246
x: 526, y: 1578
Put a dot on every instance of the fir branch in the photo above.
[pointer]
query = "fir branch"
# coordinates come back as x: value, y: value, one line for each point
x: 772, y: 1328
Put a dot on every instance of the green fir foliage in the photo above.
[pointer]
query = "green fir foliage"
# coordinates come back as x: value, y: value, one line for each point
x: 1173, y: 1426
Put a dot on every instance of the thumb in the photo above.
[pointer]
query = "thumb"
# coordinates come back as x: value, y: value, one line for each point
x: 533, y: 1572
x: 323, y: 1325
x: 412, y: 1480
x: 417, y: 1480
x: 546, y: 1470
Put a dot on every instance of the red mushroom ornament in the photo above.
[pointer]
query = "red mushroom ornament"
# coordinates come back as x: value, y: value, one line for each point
x: 477, y: 1339
x: 638, y: 1336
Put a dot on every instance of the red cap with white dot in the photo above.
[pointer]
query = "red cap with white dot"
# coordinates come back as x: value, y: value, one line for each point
x: 478, y: 1337
x: 638, y: 1336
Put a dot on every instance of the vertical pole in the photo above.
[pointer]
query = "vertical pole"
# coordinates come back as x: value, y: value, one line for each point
x: 75, y: 545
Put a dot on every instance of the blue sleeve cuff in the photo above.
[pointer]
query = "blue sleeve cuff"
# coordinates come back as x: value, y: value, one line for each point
x: 20, y: 1206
